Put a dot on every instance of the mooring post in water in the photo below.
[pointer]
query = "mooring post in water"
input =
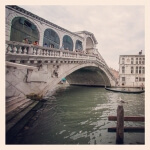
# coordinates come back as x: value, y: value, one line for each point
x: 120, y: 125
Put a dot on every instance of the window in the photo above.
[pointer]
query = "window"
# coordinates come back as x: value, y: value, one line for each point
x: 136, y: 69
x: 68, y: 43
x: 136, y: 79
x: 136, y: 60
x: 132, y: 70
x: 141, y: 79
x: 140, y: 71
x: 128, y: 60
x: 132, y: 61
x: 51, y: 39
x: 123, y: 69
x: 122, y: 60
x: 143, y: 61
x: 78, y: 45
x: 139, y: 60
x: 143, y: 70
x: 123, y: 79
x: 22, y: 28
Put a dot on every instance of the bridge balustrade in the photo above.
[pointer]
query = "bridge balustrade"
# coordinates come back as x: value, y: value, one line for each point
x: 19, y: 49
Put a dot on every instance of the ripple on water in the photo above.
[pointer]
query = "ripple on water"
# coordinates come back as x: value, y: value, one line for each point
x: 79, y: 115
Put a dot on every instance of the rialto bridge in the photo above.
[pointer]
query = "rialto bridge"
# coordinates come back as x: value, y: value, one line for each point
x: 39, y: 68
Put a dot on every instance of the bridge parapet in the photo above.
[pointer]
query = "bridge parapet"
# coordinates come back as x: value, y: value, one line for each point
x: 18, y: 48
x: 36, y: 69
x: 17, y: 51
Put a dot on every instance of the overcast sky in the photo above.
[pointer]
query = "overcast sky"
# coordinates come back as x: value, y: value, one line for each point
x: 119, y: 30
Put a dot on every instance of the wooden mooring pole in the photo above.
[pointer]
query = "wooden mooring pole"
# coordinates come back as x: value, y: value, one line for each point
x: 120, y: 125
x: 120, y: 129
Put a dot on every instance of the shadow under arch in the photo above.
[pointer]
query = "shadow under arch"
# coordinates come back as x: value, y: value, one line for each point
x: 88, y: 76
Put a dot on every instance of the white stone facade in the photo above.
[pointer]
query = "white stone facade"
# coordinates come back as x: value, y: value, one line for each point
x: 132, y: 70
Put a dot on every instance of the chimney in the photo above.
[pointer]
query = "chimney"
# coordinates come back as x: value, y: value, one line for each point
x: 140, y: 53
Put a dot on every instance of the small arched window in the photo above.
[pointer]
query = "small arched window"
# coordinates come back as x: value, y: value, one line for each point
x: 68, y: 43
x: 51, y: 39
x: 78, y: 45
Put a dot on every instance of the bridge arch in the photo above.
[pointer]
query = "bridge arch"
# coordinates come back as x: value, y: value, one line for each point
x: 23, y: 28
x: 68, y: 43
x: 66, y: 71
x: 89, y: 76
x: 51, y: 38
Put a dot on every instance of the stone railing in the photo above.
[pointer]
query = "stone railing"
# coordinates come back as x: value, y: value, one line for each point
x: 18, y: 48
x: 21, y: 49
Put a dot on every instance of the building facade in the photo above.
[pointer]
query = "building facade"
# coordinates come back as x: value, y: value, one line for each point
x: 132, y: 70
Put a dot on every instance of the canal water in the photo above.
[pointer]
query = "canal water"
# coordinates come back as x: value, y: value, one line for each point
x: 79, y: 115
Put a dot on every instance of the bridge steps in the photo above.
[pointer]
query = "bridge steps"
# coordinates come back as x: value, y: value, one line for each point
x: 17, y: 118
x: 15, y: 103
x: 16, y: 111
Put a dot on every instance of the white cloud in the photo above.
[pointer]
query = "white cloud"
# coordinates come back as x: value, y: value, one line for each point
x: 119, y: 30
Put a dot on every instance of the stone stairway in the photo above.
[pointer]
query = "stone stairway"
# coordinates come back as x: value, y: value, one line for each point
x: 16, y: 109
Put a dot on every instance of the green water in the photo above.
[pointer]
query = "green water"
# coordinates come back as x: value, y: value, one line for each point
x: 79, y: 115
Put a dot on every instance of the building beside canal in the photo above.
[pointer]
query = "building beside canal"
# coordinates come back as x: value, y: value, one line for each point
x: 132, y: 70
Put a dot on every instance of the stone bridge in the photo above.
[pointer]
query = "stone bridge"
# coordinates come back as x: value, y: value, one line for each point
x: 37, y: 69
x: 60, y: 54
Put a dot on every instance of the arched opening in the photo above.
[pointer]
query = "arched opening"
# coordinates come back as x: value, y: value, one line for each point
x: 89, y: 45
x: 22, y: 28
x: 51, y: 39
x: 78, y: 45
x: 68, y: 43
x: 88, y: 76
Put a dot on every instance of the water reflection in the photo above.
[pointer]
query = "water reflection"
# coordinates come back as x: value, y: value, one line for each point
x: 79, y: 115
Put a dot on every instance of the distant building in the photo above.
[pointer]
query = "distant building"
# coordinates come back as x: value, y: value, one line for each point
x: 132, y: 70
x: 115, y: 74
